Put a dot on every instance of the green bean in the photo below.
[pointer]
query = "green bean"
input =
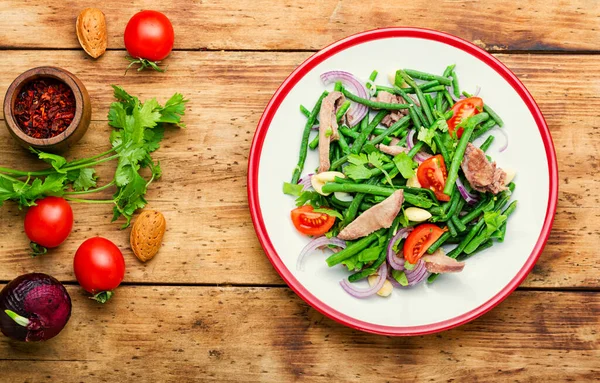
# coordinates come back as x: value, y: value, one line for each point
x: 449, y: 70
x: 458, y: 223
x: 509, y: 210
x: 374, y: 104
x: 488, y: 109
x: 400, y: 124
x: 460, y: 150
x: 338, y: 86
x: 336, y: 164
x: 339, y: 202
x: 305, y: 136
x: 417, y: 120
x: 425, y: 87
x: 455, y: 85
x: 304, y: 111
x: 445, y: 104
x: 364, y: 135
x: 343, y: 144
x: 455, y: 199
x: 411, y: 153
x: 451, y: 228
x: 486, y: 127
x: 429, y: 100
x: 485, y: 245
x: 348, y: 132
x: 314, y: 143
x: 484, y: 236
x: 353, y: 209
x: 486, y: 145
x: 373, y: 75
x: 448, y: 98
x: 483, y: 206
x: 439, y: 97
x: 420, y: 96
x: 426, y: 77
x: 352, y: 250
x: 436, y: 245
x: 437, y: 139
x: 332, y: 187
x: 334, y: 152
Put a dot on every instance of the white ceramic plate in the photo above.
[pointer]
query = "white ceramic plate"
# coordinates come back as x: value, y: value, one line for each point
x: 454, y: 298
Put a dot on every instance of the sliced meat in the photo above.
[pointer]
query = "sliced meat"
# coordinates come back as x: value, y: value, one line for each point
x: 395, y: 141
x: 392, y: 150
x: 389, y: 98
x: 379, y: 216
x: 438, y: 262
x: 328, y: 122
x: 481, y: 174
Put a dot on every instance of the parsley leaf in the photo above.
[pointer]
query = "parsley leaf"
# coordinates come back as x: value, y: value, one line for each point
x: 292, y: 189
x: 313, y: 198
x: 405, y: 165
x: 400, y: 277
x: 330, y: 212
x: 86, y: 179
x: 426, y: 135
x: 357, y: 172
x: 493, y: 221
x: 55, y: 160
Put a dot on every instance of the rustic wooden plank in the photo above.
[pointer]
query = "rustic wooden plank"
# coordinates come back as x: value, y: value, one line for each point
x: 270, y: 335
x: 210, y: 238
x: 271, y: 24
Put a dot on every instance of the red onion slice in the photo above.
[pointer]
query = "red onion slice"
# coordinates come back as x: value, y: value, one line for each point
x: 416, y: 275
x: 477, y: 90
x: 357, y: 111
x: 396, y: 262
x: 503, y: 148
x: 468, y: 197
x: 314, y: 245
x: 306, y: 182
x: 421, y: 155
x: 364, y: 293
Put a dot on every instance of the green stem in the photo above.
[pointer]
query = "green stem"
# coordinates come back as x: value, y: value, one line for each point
x: 86, y: 160
x: 90, y: 191
x: 95, y: 201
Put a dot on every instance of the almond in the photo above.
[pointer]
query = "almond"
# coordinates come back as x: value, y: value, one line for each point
x: 91, y: 31
x: 147, y: 234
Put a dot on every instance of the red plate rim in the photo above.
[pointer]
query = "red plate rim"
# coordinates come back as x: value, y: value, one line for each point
x: 273, y: 106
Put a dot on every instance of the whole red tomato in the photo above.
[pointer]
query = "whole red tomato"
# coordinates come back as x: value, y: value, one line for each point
x: 149, y: 35
x: 99, y: 267
x: 49, y: 223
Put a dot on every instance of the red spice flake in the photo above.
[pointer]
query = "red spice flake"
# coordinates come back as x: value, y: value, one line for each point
x: 44, y: 108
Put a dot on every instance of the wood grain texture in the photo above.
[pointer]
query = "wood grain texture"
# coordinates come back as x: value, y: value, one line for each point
x: 269, y: 335
x: 285, y: 25
x: 203, y: 190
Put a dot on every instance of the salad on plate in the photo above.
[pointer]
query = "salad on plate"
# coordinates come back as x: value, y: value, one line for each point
x: 400, y: 179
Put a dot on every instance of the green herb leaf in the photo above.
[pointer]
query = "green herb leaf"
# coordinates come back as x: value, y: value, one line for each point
x: 292, y: 189
x: 405, y: 165
x: 357, y: 172
x: 369, y: 254
x: 56, y: 161
x: 173, y: 110
x: 313, y: 198
x: 493, y: 221
x: 400, y: 277
x: 330, y: 212
x: 426, y: 135
x: 86, y: 179
x: 353, y: 264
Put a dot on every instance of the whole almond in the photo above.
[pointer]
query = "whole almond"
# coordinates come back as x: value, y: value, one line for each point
x: 91, y: 31
x: 147, y: 234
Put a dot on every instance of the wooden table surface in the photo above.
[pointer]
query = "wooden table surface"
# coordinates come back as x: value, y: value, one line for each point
x: 210, y: 306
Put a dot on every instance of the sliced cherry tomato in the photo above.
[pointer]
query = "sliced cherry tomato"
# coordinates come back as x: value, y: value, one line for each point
x: 419, y: 240
x: 432, y: 175
x: 463, y: 110
x: 310, y: 223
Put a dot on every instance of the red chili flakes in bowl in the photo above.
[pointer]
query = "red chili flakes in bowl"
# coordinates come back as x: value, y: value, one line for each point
x: 44, y: 108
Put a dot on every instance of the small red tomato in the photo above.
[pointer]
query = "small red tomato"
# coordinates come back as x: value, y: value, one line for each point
x: 99, y: 266
x: 50, y: 222
x: 149, y: 35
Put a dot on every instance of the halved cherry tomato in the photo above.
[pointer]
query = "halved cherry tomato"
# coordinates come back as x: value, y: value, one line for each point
x: 432, y: 175
x: 310, y: 223
x: 419, y: 240
x: 463, y: 110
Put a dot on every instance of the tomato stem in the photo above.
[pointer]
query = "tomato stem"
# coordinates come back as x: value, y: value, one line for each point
x: 144, y: 63
x: 103, y: 296
x: 37, y: 249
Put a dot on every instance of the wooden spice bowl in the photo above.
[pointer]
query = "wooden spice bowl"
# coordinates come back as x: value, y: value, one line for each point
x: 79, y: 124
